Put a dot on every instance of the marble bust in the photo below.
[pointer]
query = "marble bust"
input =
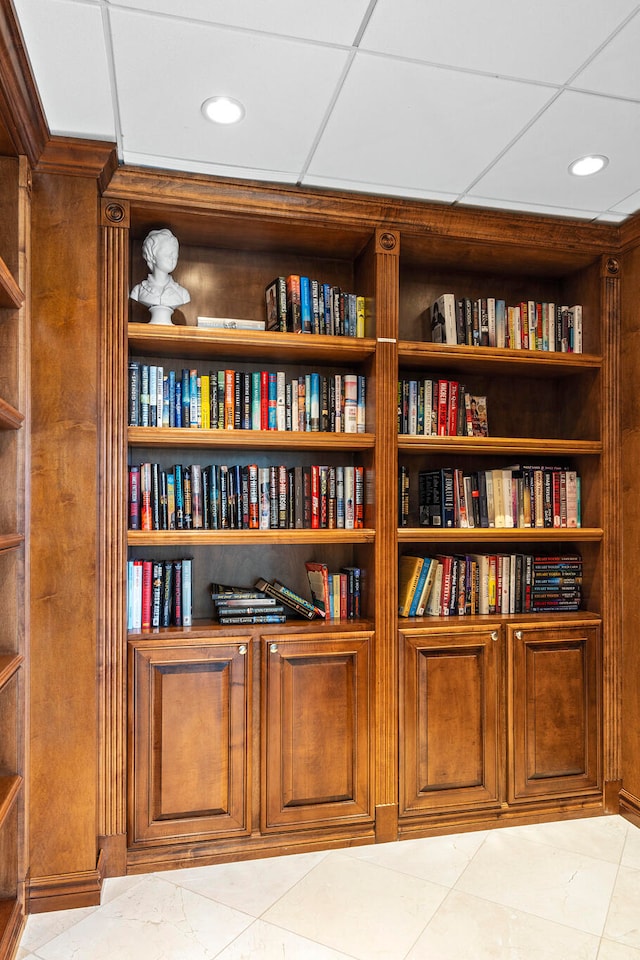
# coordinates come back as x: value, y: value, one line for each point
x: 160, y: 292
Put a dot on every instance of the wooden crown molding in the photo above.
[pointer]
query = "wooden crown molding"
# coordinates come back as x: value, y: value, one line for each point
x: 73, y: 156
x: 20, y: 108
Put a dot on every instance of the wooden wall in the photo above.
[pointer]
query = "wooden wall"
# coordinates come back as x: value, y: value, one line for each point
x: 64, y: 503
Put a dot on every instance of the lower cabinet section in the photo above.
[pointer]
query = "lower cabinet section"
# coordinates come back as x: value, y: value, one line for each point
x: 195, y: 721
x: 449, y: 717
x: 189, y: 740
x: 554, y: 711
x: 499, y: 715
x: 316, y: 731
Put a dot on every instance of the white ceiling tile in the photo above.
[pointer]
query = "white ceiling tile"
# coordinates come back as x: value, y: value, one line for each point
x: 548, y: 211
x: 420, y: 127
x: 166, y: 68
x: 546, y: 40
x: 187, y: 165
x: 332, y: 21
x: 628, y: 204
x: 66, y: 48
x: 616, y: 70
x: 534, y: 170
x: 388, y: 189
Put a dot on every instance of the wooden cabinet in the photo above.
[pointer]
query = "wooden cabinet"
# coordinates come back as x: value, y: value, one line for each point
x: 190, y: 753
x: 497, y: 714
x: 450, y: 730
x: 316, y: 738
x: 14, y: 543
x: 554, y: 710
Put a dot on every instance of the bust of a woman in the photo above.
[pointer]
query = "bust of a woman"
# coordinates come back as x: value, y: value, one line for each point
x: 160, y: 292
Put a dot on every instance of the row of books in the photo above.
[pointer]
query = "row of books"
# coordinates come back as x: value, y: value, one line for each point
x: 300, y: 304
x: 245, y: 497
x: 442, y: 408
x: 229, y: 399
x: 514, y: 496
x: 473, y: 584
x: 489, y: 322
x: 159, y: 593
x: 337, y: 593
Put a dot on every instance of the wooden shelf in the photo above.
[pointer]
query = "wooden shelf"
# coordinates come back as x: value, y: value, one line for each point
x: 11, y: 920
x: 209, y: 629
x: 484, y: 619
x: 500, y: 445
x: 250, y: 439
x: 9, y: 541
x: 10, y: 293
x: 192, y: 538
x: 10, y: 418
x: 479, y: 535
x: 10, y: 663
x: 198, y: 344
x: 9, y: 791
x: 500, y: 361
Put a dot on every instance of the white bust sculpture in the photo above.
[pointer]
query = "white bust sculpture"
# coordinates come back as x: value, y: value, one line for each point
x: 160, y: 292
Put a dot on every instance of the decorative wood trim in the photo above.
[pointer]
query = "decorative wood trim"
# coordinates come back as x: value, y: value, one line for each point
x: 387, y: 275
x: 20, y: 107
x: 612, y: 790
x: 64, y: 892
x: 612, y: 515
x: 554, y: 235
x: 386, y: 822
x: 112, y: 528
x: 74, y: 157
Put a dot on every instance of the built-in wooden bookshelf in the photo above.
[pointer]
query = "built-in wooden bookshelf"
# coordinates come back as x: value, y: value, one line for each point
x: 543, y: 406
x: 14, y: 466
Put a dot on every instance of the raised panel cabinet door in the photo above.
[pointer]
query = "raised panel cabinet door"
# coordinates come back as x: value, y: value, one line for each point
x: 554, y: 726
x: 449, y: 718
x: 316, y: 748
x: 190, y: 750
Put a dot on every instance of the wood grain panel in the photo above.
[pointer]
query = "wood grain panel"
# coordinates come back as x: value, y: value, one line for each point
x: 449, y: 718
x: 554, y: 711
x: 190, y: 749
x: 316, y: 757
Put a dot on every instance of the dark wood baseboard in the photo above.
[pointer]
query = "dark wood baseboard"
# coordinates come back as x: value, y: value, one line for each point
x: 64, y: 892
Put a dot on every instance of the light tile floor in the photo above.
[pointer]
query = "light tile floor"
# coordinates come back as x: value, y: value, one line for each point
x: 557, y: 891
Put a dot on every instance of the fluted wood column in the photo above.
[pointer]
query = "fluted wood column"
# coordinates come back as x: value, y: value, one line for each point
x: 112, y: 640
x: 387, y: 256
x: 612, y: 522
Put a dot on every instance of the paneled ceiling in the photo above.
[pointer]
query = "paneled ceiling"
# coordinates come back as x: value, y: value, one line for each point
x: 458, y: 102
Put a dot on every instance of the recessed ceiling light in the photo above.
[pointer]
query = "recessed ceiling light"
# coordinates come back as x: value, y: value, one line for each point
x: 223, y: 110
x: 585, y: 166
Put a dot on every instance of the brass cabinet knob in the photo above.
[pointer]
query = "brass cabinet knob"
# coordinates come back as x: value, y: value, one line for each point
x: 518, y: 634
x: 242, y: 649
x: 494, y: 635
x: 273, y: 648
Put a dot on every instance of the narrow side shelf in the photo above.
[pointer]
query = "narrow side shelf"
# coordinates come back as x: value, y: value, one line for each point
x: 199, y: 344
x: 11, y: 919
x: 480, y: 535
x: 10, y: 663
x: 10, y: 418
x: 10, y: 787
x: 9, y: 541
x: 501, y: 445
x: 192, y: 538
x: 502, y: 361
x: 10, y: 293
x: 251, y: 439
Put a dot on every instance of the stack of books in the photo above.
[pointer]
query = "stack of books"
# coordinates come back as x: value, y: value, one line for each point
x: 241, y: 605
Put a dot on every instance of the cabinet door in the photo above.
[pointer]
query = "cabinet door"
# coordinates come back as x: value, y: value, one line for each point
x: 554, y: 710
x: 449, y: 718
x: 189, y: 763
x: 316, y: 741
